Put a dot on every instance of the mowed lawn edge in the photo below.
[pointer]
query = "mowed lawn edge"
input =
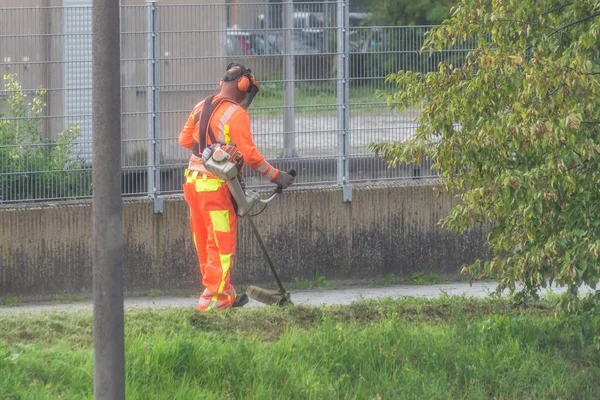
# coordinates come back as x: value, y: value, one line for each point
x: 451, y: 347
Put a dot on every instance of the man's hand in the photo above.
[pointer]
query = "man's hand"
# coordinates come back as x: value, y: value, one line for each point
x: 284, y: 180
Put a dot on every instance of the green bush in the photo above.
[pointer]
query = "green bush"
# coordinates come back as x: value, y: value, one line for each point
x: 33, y: 167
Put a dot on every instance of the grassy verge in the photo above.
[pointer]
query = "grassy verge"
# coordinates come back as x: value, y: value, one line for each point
x: 439, y: 349
x: 310, y: 98
x: 417, y: 279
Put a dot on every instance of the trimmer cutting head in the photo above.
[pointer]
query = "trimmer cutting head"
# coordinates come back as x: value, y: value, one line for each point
x: 269, y: 296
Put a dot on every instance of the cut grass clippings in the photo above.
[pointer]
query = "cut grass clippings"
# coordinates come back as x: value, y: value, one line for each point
x: 446, y: 348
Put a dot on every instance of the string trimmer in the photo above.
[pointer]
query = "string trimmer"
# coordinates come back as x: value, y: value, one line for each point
x: 281, y: 297
x: 226, y: 162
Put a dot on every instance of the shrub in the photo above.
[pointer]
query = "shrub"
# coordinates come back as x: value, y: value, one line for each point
x: 33, y: 167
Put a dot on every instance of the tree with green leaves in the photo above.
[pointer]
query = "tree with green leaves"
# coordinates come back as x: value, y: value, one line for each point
x: 514, y: 133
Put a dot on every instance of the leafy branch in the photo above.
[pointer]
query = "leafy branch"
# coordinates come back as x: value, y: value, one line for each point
x: 572, y: 24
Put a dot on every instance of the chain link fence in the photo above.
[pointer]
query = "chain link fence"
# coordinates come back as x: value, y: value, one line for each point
x: 318, y: 64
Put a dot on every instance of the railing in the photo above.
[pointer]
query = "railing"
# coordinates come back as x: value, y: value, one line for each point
x: 317, y: 110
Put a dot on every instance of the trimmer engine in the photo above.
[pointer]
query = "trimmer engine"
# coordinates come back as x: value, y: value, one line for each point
x: 226, y: 162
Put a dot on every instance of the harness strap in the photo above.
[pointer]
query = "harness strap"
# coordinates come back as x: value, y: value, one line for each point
x: 208, y: 109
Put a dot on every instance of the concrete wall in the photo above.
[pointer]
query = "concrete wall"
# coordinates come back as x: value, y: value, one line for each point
x: 388, y: 228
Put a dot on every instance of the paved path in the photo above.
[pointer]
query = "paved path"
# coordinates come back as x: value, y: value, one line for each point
x: 310, y: 297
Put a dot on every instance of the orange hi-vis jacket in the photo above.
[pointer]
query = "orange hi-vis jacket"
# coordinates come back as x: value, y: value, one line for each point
x: 230, y: 123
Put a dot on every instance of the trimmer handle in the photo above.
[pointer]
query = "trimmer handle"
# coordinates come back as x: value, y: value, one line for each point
x: 279, y: 189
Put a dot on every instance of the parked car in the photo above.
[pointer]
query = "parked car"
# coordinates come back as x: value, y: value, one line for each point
x: 244, y: 43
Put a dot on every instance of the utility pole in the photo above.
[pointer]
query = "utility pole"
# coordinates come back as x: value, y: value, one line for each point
x: 107, y: 220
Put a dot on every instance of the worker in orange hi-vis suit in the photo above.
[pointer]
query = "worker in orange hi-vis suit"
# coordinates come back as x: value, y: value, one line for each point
x: 221, y: 118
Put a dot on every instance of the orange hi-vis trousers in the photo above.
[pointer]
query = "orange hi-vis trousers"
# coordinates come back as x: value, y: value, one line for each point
x: 213, y: 223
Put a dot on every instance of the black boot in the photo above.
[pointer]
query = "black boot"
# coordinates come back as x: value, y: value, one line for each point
x: 240, y: 301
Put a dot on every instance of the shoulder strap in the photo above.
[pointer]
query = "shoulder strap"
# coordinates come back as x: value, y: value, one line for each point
x: 205, y: 130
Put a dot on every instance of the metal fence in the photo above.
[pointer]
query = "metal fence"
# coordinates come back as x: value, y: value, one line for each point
x: 319, y: 68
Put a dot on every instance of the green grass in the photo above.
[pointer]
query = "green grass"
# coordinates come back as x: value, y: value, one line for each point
x: 319, y: 282
x: 387, y: 280
x: 311, y: 98
x: 423, y: 279
x: 449, y: 348
x: 324, y: 283
x: 416, y: 279
x: 10, y: 300
x: 302, y: 284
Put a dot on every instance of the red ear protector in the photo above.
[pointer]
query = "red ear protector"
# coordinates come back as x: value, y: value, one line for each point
x: 244, y: 76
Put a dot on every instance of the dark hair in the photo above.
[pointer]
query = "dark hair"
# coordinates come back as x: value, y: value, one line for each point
x: 234, y: 71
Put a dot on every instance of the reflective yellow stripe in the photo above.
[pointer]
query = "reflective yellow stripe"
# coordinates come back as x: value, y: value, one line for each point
x: 226, y: 133
x: 191, y: 178
x: 224, y: 119
x: 225, y: 265
x: 211, y: 301
x: 195, y: 241
x: 220, y: 220
x: 209, y: 304
x: 208, y: 185
x: 203, y: 184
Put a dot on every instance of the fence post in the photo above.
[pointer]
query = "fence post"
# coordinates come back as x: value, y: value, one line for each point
x: 343, y: 99
x: 289, y: 129
x: 327, y: 25
x: 266, y: 27
x: 152, y: 94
